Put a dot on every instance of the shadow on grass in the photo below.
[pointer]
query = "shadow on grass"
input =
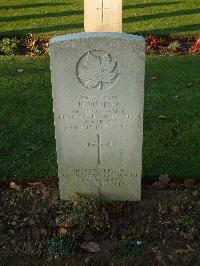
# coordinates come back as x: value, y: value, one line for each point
x: 46, y: 15
x: 32, y: 5
x: 164, y: 31
x: 42, y: 29
x: 144, y: 5
x: 162, y: 15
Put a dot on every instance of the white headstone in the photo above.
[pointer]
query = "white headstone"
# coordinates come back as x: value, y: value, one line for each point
x: 103, y: 15
x: 98, y: 92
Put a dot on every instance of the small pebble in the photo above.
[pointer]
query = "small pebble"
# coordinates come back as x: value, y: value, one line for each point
x: 11, y: 231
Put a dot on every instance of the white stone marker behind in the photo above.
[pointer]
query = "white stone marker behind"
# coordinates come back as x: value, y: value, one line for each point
x: 98, y: 92
x: 103, y: 15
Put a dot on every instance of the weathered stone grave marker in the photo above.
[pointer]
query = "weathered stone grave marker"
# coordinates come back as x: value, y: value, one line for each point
x: 98, y: 91
x: 103, y: 15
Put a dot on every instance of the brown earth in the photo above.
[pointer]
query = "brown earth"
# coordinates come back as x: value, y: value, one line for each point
x: 168, y: 218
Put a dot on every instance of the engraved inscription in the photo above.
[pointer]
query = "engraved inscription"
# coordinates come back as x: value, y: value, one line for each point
x: 99, y: 113
x: 103, y: 177
x: 96, y: 70
x: 99, y: 145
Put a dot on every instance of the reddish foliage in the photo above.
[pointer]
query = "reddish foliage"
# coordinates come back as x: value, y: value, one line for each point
x: 153, y: 43
x: 195, y: 49
x: 162, y: 45
x: 35, y: 46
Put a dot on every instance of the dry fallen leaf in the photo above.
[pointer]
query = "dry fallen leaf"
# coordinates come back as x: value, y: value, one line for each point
x: 162, y: 183
x: 184, y: 250
x: 167, y: 222
x: 181, y: 251
x: 44, y: 232
x: 158, y: 185
x: 20, y: 70
x: 163, y: 208
x: 164, y: 179
x: 90, y: 247
x: 37, y: 184
x: 15, y: 186
x: 163, y: 117
x: 175, y: 209
x: 154, y: 78
x: 189, y: 84
x: 172, y: 185
x: 190, y: 249
x: 63, y: 231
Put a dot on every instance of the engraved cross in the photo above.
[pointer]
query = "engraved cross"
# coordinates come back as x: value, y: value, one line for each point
x: 102, y: 8
x: 99, y: 145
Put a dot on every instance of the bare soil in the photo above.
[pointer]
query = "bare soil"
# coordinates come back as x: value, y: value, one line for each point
x: 168, y: 218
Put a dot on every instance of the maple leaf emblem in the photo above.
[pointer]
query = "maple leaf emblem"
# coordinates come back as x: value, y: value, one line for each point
x: 97, y: 70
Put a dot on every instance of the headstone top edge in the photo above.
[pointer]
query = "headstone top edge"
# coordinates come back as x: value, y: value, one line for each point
x: 86, y: 35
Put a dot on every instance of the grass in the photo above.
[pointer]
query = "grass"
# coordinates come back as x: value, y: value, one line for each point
x: 45, y: 17
x: 171, y: 146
